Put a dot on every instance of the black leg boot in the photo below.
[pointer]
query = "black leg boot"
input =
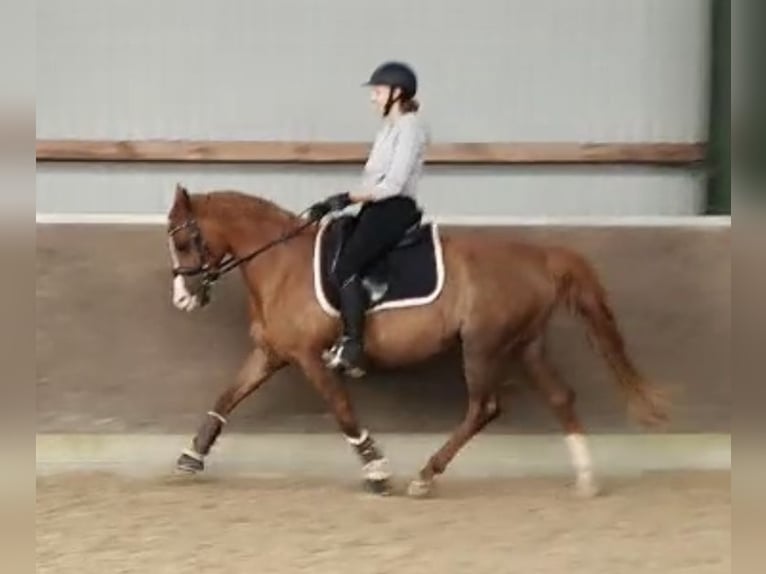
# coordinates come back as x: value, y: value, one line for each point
x: 348, y: 353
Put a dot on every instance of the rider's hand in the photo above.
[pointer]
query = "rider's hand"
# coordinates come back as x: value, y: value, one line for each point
x: 318, y: 211
x: 362, y: 197
x: 339, y: 201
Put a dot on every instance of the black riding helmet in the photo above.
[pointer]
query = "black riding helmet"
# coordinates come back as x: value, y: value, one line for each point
x: 394, y: 75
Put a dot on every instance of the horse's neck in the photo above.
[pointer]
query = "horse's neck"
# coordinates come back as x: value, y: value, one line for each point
x: 246, y: 234
x: 247, y: 227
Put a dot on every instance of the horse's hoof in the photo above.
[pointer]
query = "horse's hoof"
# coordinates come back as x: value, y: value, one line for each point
x: 381, y: 487
x: 420, y: 488
x: 587, y: 489
x: 189, y: 465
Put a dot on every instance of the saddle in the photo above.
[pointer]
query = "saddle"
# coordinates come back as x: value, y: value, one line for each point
x: 376, y: 277
x: 409, y: 274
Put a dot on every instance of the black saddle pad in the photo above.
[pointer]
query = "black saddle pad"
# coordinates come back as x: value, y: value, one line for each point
x: 410, y: 275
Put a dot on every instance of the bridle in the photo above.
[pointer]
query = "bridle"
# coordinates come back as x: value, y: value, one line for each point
x: 211, y: 271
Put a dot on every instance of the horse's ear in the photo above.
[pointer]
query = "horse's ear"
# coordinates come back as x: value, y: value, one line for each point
x: 182, y: 199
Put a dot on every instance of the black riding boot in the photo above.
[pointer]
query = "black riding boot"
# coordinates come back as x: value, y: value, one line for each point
x: 348, y: 353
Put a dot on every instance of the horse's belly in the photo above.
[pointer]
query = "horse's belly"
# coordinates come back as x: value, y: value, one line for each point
x: 400, y: 337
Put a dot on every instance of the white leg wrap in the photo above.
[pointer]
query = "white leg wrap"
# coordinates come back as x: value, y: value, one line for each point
x: 357, y: 441
x: 376, y: 470
x: 215, y: 415
x: 193, y: 454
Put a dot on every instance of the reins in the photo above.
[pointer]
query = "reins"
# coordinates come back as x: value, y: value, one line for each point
x: 234, y: 262
x: 211, y: 274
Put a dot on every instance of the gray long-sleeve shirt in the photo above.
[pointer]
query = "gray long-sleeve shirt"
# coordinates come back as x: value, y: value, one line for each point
x: 396, y: 159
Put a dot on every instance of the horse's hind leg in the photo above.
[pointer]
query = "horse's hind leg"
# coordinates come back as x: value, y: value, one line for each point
x: 481, y: 376
x: 257, y: 369
x: 561, y: 399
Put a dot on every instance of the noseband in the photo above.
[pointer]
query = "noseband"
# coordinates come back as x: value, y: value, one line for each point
x: 208, y: 269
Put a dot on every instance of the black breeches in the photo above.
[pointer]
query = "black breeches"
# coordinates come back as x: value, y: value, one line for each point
x: 379, y: 227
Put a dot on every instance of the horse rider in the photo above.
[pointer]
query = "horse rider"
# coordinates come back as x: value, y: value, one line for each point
x: 389, y: 207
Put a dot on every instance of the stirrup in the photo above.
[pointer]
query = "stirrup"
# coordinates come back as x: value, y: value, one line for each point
x: 335, y: 358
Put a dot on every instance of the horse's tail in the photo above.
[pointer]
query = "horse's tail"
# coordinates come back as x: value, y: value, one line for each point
x: 578, y: 286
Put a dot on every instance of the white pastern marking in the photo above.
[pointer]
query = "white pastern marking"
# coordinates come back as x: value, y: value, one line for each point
x: 581, y: 459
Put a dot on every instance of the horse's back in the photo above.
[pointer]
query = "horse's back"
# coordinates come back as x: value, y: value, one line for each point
x: 489, y: 256
x: 498, y: 282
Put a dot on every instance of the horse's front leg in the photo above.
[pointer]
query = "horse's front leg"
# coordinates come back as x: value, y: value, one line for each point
x: 375, y: 466
x: 258, y: 368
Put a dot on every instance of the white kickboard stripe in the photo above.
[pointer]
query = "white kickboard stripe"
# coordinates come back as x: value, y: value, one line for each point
x: 694, y: 221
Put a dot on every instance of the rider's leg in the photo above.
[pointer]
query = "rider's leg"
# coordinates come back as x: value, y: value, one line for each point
x: 380, y: 227
x: 348, y: 352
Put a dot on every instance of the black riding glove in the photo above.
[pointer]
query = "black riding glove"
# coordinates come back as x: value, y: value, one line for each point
x: 339, y: 201
x: 318, y: 211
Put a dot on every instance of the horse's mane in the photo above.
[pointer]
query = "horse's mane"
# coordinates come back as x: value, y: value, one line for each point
x: 239, y: 204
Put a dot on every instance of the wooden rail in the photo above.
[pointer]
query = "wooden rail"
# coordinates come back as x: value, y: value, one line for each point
x: 353, y: 153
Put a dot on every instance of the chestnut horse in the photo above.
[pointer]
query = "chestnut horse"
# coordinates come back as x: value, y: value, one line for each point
x: 496, y: 302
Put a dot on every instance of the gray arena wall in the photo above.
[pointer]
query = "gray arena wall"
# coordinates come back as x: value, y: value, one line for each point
x: 118, y: 368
